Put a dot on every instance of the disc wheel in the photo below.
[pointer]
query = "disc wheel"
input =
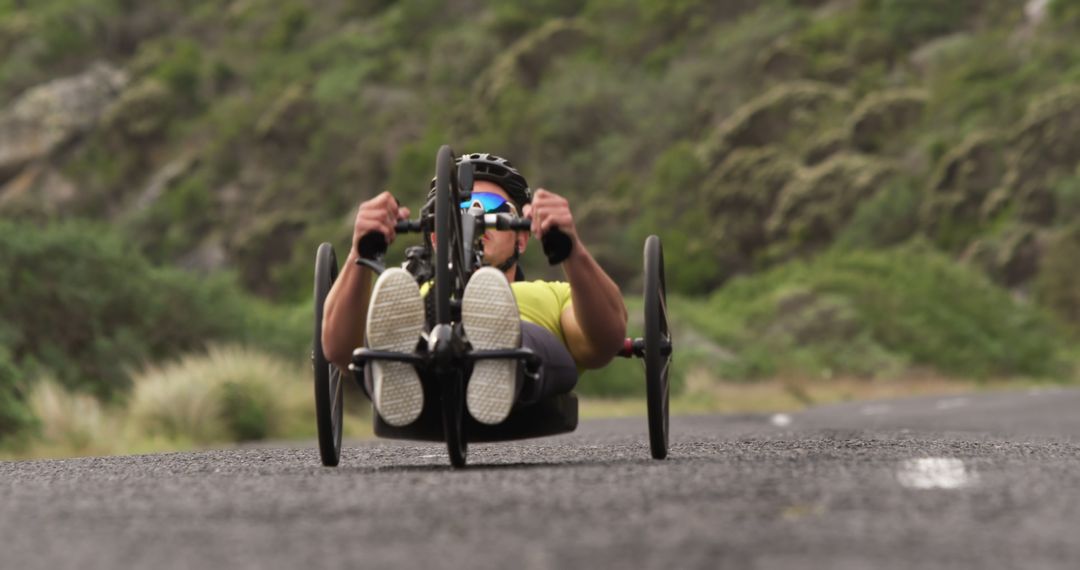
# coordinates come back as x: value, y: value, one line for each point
x: 658, y: 347
x: 328, y: 378
x: 448, y: 283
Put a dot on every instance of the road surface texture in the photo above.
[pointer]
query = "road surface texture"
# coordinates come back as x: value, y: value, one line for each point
x: 981, y: 481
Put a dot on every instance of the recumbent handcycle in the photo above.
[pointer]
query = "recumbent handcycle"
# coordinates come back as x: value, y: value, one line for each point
x: 443, y: 359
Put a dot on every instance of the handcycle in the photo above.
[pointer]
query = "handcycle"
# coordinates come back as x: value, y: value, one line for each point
x: 443, y: 358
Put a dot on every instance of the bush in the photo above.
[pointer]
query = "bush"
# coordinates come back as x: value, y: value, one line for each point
x: 888, y: 218
x: 880, y: 309
x: 226, y: 394
x: 672, y: 210
x: 82, y: 304
x: 71, y: 421
x: 1057, y: 285
x: 14, y: 414
x: 908, y: 22
x: 178, y: 64
x: 1065, y: 12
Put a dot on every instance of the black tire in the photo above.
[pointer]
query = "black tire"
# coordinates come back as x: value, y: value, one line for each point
x: 657, y: 347
x: 444, y: 163
x: 329, y: 394
x: 447, y: 244
x: 453, y: 403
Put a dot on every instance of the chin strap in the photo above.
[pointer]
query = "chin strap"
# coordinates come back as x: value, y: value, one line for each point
x: 510, y: 261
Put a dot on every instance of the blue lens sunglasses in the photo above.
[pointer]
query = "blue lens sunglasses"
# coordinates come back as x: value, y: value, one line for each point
x: 491, y: 203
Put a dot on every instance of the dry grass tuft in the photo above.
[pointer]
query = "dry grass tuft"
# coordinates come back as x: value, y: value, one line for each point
x: 71, y: 421
x: 227, y: 394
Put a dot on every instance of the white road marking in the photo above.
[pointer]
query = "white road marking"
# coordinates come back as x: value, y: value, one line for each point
x: 780, y: 420
x: 935, y: 473
x: 1043, y: 391
x: 951, y: 403
x: 875, y: 409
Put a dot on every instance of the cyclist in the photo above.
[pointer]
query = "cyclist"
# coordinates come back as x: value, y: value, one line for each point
x: 573, y: 325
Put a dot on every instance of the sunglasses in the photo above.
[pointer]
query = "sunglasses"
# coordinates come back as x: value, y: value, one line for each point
x: 490, y: 203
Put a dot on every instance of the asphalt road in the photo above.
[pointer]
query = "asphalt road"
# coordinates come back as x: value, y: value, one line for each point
x: 987, y: 481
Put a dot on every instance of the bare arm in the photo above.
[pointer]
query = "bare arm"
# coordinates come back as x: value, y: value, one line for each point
x: 595, y: 323
x: 345, y: 311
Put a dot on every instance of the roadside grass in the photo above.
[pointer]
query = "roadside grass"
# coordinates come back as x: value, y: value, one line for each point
x: 225, y: 395
x: 228, y: 393
x: 796, y: 393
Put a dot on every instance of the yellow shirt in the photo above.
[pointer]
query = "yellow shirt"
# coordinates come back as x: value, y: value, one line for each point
x: 542, y: 303
x: 539, y: 302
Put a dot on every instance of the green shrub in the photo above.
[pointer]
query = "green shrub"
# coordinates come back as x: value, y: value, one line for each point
x: 888, y: 218
x: 247, y: 411
x: 83, y: 305
x: 512, y: 18
x: 1065, y: 12
x: 181, y: 68
x: 1067, y: 199
x: 908, y: 22
x: 1057, y: 285
x: 884, y: 308
x: 673, y: 209
x: 293, y: 18
x: 14, y: 414
x: 226, y: 394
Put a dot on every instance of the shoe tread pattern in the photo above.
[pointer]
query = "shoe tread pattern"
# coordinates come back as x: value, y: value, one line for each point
x: 491, y: 320
x: 395, y: 321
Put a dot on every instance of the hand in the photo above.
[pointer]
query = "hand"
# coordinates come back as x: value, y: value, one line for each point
x: 378, y: 214
x: 549, y: 210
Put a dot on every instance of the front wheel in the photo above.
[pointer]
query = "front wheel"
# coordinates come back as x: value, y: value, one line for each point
x: 453, y: 408
x: 658, y: 347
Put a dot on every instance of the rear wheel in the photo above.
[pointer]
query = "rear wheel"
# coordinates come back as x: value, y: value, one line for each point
x: 329, y: 396
x: 657, y: 347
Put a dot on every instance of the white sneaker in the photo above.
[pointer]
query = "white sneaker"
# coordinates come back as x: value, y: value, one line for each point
x: 490, y: 317
x: 395, y: 322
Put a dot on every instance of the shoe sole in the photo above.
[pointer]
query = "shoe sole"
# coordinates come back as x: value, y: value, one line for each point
x: 489, y: 314
x: 395, y: 322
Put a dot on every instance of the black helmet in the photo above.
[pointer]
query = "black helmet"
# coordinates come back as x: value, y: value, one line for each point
x: 498, y: 170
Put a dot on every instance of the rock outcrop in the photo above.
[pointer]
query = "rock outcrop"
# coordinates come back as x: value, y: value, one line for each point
x: 49, y: 115
x: 880, y: 117
x: 818, y: 202
x: 773, y: 117
x: 965, y: 178
x: 526, y: 60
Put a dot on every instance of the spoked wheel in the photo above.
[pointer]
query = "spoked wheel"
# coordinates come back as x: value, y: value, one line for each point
x: 658, y: 347
x: 328, y: 385
x: 448, y: 264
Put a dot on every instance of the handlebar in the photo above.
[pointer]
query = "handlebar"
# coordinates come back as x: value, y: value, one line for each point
x: 556, y: 244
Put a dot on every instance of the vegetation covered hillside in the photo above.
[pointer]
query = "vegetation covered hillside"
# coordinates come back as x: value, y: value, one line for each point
x: 783, y: 149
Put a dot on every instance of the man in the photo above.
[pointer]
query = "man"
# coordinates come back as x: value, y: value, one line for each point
x: 578, y: 324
